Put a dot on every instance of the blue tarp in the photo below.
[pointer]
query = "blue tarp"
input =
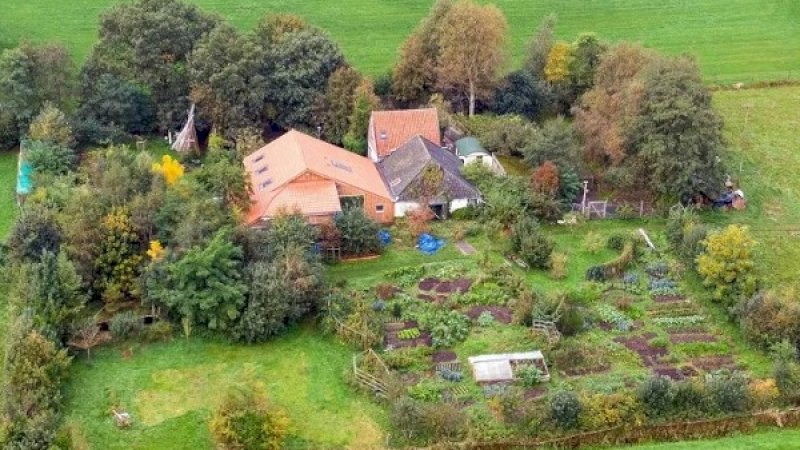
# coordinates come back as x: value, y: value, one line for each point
x: 429, y: 244
x: 385, y: 237
x: 24, y: 182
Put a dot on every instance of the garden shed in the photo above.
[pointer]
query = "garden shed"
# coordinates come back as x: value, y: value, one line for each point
x: 503, y: 366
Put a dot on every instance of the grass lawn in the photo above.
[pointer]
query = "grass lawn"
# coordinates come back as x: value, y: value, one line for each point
x: 8, y: 183
x: 767, y: 440
x: 171, y: 387
x: 761, y: 128
x: 738, y: 40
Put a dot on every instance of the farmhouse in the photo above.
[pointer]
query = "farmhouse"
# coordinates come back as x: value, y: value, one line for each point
x: 300, y: 172
x: 388, y: 130
x: 402, y: 171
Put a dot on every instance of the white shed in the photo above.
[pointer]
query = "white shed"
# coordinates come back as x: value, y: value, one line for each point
x: 502, y: 367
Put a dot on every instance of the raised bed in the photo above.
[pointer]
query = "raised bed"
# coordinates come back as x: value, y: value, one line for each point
x: 444, y: 356
x: 668, y: 298
x: 459, y: 285
x: 674, y: 373
x: 640, y: 345
x: 712, y: 363
x: 392, y: 340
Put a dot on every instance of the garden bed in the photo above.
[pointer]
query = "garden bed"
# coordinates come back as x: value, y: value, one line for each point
x: 392, y: 335
x: 458, y: 285
x: 675, y: 373
x: 668, y: 298
x: 501, y: 314
x: 649, y: 354
x: 691, y: 337
x: 442, y: 356
x: 712, y: 363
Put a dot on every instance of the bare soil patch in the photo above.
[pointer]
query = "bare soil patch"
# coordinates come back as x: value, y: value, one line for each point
x: 650, y: 355
x: 669, y: 298
x: 711, y: 363
x: 444, y: 356
x: 686, y: 338
x: 391, y: 339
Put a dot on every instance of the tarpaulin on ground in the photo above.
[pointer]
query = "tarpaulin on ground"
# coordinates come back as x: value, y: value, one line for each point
x: 385, y: 237
x: 429, y: 244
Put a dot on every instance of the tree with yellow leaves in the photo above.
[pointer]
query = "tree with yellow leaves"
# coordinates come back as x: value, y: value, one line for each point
x: 170, y: 168
x: 558, y: 61
x: 727, y: 263
x: 156, y: 251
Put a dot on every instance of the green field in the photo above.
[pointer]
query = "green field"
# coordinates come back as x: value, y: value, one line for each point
x: 735, y: 40
x: 170, y: 389
x: 761, y: 129
x: 767, y: 440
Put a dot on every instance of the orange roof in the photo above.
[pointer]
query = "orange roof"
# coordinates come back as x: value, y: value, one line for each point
x: 309, y: 197
x: 392, y: 129
x: 272, y: 167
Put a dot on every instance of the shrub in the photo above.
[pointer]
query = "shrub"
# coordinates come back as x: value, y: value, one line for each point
x: 529, y: 243
x: 486, y: 319
x: 245, y: 420
x: 406, y: 276
x: 726, y: 265
x: 769, y: 317
x: 426, y: 391
x: 447, y: 328
x: 407, y: 417
x: 729, y: 392
x: 656, y: 395
x: 692, y: 244
x: 408, y: 358
x: 125, y: 324
x: 48, y: 158
x: 689, y: 399
x: 529, y: 375
x: 159, y: 331
x: 609, y: 410
x: 763, y: 393
x: 558, y: 266
x: 596, y: 273
x: 359, y: 233
x: 615, y: 242
x: 627, y: 212
x: 571, y: 320
x: 593, y: 242
x: 466, y: 213
x: 565, y: 409
x: 451, y: 375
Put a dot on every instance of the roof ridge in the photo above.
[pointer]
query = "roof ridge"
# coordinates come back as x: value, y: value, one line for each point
x: 293, y: 134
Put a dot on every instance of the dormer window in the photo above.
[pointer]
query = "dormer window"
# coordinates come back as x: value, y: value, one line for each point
x: 259, y: 159
x: 383, y: 135
x: 262, y: 169
x: 264, y: 184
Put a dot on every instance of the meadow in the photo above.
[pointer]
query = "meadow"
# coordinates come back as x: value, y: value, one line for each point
x: 734, y: 40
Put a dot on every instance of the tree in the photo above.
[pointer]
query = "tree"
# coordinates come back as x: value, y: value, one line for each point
x: 587, y: 52
x: 203, y: 287
x: 558, y: 62
x: 337, y: 104
x: 297, y: 62
x: 540, y: 46
x: 505, y: 135
x: 119, y: 258
x: 727, y: 263
x: 281, y: 292
x: 529, y: 243
x: 556, y: 141
x: 677, y: 134
x: 33, y: 372
x: 148, y: 43
x: 35, y: 231
x: 222, y: 176
x: 364, y: 102
x: 472, y: 53
x: 522, y: 93
x: 606, y: 111
x: 51, y: 126
x: 29, y: 77
x: 51, y: 289
x: 225, y: 80
x: 359, y: 233
x: 49, y: 159
x: 111, y: 106
x: 414, y: 76
x: 170, y: 168
x: 545, y: 179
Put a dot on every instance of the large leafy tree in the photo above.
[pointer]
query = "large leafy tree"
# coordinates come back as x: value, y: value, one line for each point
x: 298, y: 60
x: 51, y: 289
x: 119, y: 259
x: 540, y: 46
x: 33, y: 372
x: 29, y: 77
x: 148, y: 42
x: 111, y: 105
x: 222, y: 176
x: 472, y: 54
x: 677, y: 135
x: 203, y: 287
x: 556, y: 141
x: 726, y: 264
x: 35, y: 231
x: 522, y: 93
x: 336, y: 105
x: 225, y: 79
x: 281, y: 292
x: 364, y: 102
x: 414, y: 75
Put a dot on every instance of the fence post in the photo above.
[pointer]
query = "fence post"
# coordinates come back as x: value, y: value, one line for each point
x: 641, y: 208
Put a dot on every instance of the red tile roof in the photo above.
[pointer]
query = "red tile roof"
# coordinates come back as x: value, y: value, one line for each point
x: 273, y: 168
x: 392, y: 129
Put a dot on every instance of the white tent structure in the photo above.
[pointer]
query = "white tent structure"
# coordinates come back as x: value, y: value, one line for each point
x: 501, y: 367
x: 186, y: 140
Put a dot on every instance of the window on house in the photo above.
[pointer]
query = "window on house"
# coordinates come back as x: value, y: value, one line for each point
x: 262, y: 169
x: 379, y: 208
x: 479, y: 158
x: 260, y: 157
x: 264, y: 184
